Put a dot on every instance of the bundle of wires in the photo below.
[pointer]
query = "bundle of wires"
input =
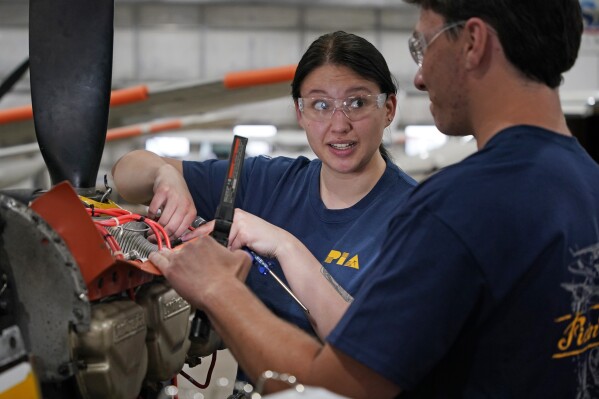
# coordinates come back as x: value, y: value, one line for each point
x: 125, y: 233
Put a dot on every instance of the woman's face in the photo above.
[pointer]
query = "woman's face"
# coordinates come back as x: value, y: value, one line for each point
x: 343, y: 145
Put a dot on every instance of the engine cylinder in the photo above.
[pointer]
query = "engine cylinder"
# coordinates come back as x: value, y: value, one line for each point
x: 112, y: 355
x: 167, y: 315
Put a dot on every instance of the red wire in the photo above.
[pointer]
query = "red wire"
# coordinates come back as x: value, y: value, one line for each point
x: 174, y: 383
x: 123, y: 216
x: 110, y: 241
x: 208, y: 376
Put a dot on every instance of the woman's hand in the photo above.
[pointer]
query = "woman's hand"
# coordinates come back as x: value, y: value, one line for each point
x: 142, y: 177
x: 253, y: 232
x: 172, y: 203
x: 250, y: 231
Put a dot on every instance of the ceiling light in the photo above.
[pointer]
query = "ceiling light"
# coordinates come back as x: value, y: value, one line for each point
x: 255, y: 130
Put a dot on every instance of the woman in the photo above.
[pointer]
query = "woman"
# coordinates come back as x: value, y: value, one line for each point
x: 323, y: 219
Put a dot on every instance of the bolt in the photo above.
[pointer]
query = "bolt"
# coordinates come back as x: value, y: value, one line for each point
x: 78, y: 313
x: 64, y: 369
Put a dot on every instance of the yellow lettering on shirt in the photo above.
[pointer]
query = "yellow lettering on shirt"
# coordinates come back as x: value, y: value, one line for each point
x: 579, y: 335
x: 332, y: 256
x: 341, y: 258
x: 353, y: 262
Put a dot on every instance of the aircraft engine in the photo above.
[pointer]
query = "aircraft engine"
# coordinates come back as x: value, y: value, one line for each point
x: 95, y: 325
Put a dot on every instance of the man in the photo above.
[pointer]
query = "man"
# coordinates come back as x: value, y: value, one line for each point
x: 487, y: 285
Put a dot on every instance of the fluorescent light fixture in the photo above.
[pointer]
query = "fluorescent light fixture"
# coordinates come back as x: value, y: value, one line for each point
x: 250, y: 131
x: 421, y: 139
x: 174, y: 147
x: 257, y: 147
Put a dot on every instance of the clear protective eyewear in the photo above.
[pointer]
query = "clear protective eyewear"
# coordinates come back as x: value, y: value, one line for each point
x: 418, y: 43
x: 321, y: 109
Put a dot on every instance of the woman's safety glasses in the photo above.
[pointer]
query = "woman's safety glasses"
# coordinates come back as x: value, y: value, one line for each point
x: 321, y: 109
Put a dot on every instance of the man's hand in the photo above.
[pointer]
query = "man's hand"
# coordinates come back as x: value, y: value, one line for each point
x: 197, y: 269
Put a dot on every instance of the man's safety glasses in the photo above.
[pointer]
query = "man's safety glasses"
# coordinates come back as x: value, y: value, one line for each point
x: 418, y: 43
x: 321, y: 109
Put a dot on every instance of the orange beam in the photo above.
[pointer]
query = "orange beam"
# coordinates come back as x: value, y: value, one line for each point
x: 124, y: 132
x: 166, y: 125
x: 257, y: 77
x: 140, y: 93
x: 16, y: 114
x: 117, y: 97
x: 128, y: 95
x: 137, y: 130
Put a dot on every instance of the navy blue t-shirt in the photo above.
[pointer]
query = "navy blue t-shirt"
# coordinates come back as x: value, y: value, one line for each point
x: 286, y: 193
x: 488, y: 283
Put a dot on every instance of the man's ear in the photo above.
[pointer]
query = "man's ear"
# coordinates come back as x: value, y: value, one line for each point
x: 478, y: 41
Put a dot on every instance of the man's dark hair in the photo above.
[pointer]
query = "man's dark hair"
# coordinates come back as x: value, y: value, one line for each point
x: 539, y: 37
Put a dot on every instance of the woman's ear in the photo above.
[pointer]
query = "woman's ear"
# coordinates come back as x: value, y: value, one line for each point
x: 391, y: 108
x: 298, y: 115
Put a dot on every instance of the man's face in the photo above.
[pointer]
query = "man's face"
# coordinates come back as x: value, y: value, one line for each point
x: 442, y: 74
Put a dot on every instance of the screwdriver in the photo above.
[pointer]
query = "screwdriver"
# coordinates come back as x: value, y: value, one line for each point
x: 263, y: 268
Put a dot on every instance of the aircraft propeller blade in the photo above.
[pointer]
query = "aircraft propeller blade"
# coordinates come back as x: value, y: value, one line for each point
x: 70, y: 51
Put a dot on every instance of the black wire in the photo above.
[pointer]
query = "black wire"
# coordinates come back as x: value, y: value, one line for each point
x: 14, y: 77
x: 208, y: 375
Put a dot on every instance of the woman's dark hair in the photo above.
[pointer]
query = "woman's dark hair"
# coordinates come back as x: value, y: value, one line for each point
x: 351, y: 51
x: 539, y: 37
